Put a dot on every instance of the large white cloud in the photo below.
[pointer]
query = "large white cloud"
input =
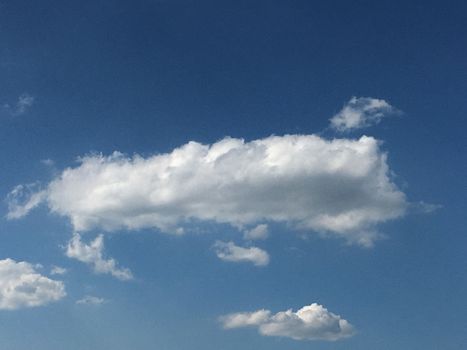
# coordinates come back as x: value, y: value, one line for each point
x: 22, y: 286
x: 360, y: 113
x: 228, y: 251
x: 312, y: 322
x: 93, y: 255
x: 340, y: 187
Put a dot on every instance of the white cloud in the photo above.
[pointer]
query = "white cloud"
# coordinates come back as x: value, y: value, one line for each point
x: 90, y: 300
x: 92, y: 254
x: 24, y: 103
x: 228, y: 251
x: 21, y: 286
x: 337, y: 187
x: 312, y: 322
x: 22, y: 199
x: 360, y: 113
x: 259, y: 232
x: 57, y: 270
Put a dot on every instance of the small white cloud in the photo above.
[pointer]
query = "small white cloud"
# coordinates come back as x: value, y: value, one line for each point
x: 312, y: 322
x: 91, y: 300
x: 92, y: 254
x: 228, y: 251
x: 22, y: 199
x: 22, y: 286
x: 360, y: 113
x: 57, y: 270
x: 259, y: 232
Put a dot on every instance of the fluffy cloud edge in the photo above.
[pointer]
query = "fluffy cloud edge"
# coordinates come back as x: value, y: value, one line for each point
x: 361, y: 112
x: 92, y: 254
x: 311, y: 322
x: 21, y: 286
x: 339, y: 187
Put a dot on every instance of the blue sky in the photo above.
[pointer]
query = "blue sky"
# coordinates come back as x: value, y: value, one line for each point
x: 327, y: 172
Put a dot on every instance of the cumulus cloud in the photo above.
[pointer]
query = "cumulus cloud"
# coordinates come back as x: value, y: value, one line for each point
x: 22, y: 286
x: 337, y: 187
x: 90, y: 300
x: 360, y: 113
x: 312, y: 322
x: 228, y: 251
x: 23, y: 104
x: 92, y: 254
x: 259, y: 232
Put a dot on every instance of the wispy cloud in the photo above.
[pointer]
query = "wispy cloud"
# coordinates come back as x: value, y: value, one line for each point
x: 22, y: 105
x: 91, y: 300
x: 22, y: 199
x: 93, y: 255
x: 312, y: 322
x: 228, y: 251
x: 361, y: 112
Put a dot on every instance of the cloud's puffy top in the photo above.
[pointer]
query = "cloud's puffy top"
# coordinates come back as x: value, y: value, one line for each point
x: 338, y: 186
x: 228, y: 251
x: 360, y: 113
x: 22, y: 286
x: 312, y: 322
x: 93, y: 254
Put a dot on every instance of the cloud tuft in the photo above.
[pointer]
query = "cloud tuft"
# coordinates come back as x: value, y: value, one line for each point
x: 360, y: 113
x: 258, y: 232
x: 92, y: 254
x: 228, y: 251
x: 57, y: 270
